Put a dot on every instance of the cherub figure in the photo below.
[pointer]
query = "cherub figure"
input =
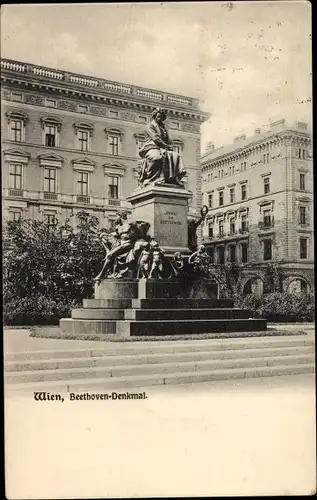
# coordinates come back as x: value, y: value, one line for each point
x: 200, y: 260
x: 158, y: 258
x: 144, y: 261
x: 177, y: 263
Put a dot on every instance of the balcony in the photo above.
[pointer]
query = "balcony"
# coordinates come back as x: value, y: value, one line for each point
x: 83, y: 199
x: 98, y: 84
x: 267, y: 223
x: 50, y: 196
x: 243, y: 230
x: 114, y: 202
x: 16, y: 192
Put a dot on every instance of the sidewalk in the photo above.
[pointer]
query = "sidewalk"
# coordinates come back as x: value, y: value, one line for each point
x: 18, y: 339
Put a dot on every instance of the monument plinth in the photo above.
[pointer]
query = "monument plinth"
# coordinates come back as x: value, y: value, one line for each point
x: 165, y: 207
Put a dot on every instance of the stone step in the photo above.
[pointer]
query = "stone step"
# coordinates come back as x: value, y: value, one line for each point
x: 153, y: 368
x: 151, y: 358
x: 159, y: 314
x: 144, y: 381
x: 172, y: 346
x: 170, y: 303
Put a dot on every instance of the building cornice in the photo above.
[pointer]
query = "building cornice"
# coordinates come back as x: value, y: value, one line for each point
x: 42, y: 79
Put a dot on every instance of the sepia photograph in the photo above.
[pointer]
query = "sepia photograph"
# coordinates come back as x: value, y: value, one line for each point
x: 158, y: 249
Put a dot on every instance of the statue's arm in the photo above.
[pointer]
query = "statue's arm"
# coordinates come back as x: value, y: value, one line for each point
x: 151, y: 130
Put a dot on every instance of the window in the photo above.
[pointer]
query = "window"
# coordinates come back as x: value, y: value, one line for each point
x: 302, y: 154
x: 232, y: 253
x: 221, y: 255
x: 267, y: 218
x: 16, y: 130
x: 50, y: 135
x: 220, y: 227
x: 266, y: 181
x: 50, y: 219
x: 113, y: 187
x: 232, y: 226
x: 51, y: 103
x: 82, y: 183
x: 230, y: 170
x: 15, y: 176
x: 210, y: 230
x: 210, y: 201
x: 266, y: 158
x: 83, y: 139
x: 16, y: 97
x: 15, y: 214
x: 221, y: 173
x: 114, y: 144
x: 243, y: 192
x: 244, y: 253
x: 302, y: 179
x: 303, y: 248
x: 267, y: 250
x: 244, y: 223
x: 231, y: 195
x: 220, y: 198
x: 302, y: 215
x: 243, y: 166
x: 50, y: 180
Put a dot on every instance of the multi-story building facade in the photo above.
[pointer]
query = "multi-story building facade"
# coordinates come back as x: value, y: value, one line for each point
x: 259, y: 191
x: 70, y: 142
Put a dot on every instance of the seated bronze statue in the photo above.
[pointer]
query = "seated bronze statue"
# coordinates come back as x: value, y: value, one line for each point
x: 161, y: 165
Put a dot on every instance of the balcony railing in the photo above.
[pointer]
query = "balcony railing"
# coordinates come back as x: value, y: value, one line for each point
x: 16, y: 192
x: 50, y: 196
x: 114, y: 202
x: 83, y: 199
x: 98, y: 83
x: 266, y: 224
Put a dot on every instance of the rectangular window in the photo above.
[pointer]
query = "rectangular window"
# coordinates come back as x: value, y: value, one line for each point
x: 244, y: 223
x: 232, y: 226
x: 50, y: 219
x: 220, y: 198
x: 232, y: 253
x: 266, y: 158
x: 302, y: 215
x: 50, y: 180
x: 243, y: 192
x: 114, y: 145
x: 82, y: 183
x: 16, y: 130
x: 113, y: 187
x: 210, y: 230
x: 243, y: 166
x: 15, y: 176
x: 83, y: 139
x: 231, y: 195
x: 302, y: 179
x: 267, y: 218
x: 50, y: 135
x: 244, y: 253
x: 221, y: 255
x: 220, y: 227
x: 210, y: 201
x: 15, y: 214
x: 267, y: 250
x: 303, y: 248
x: 51, y: 103
x: 266, y: 185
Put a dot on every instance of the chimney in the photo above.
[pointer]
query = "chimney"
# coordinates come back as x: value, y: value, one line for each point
x: 257, y: 131
x: 277, y: 123
x: 239, y: 138
x: 301, y: 125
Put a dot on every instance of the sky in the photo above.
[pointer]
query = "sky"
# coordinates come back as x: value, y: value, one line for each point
x: 248, y: 63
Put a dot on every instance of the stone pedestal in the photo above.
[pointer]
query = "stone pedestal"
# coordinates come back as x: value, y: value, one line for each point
x: 166, y: 209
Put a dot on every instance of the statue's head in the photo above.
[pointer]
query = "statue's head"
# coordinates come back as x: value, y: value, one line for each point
x: 121, y: 217
x: 159, y: 115
x: 201, y: 248
x: 154, y: 244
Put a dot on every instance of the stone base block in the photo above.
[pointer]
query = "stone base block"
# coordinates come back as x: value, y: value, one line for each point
x: 87, y: 326
x: 173, y: 303
x: 93, y: 313
x: 182, y: 327
x: 184, y: 314
x: 107, y: 303
x: 116, y: 289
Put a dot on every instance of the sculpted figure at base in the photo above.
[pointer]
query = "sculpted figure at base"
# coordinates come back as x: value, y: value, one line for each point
x: 160, y: 163
x: 192, y: 225
x: 200, y: 261
x: 122, y: 254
